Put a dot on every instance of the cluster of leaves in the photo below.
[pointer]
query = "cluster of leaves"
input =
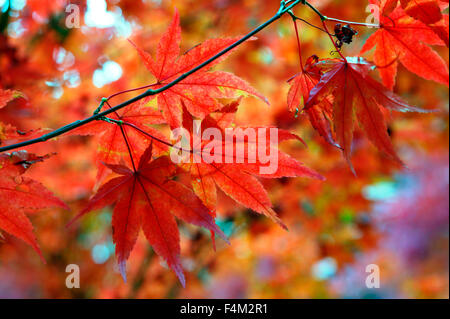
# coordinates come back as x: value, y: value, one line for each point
x: 136, y: 174
x: 332, y: 91
x: 145, y: 195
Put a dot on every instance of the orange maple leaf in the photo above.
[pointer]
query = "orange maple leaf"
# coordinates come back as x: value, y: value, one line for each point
x: 198, y: 91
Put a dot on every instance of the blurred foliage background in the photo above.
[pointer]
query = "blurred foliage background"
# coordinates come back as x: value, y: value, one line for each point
x: 394, y: 217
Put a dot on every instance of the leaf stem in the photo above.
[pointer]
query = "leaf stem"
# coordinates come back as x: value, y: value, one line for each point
x: 128, y: 147
x: 153, y: 137
x: 299, y: 45
x: 332, y: 40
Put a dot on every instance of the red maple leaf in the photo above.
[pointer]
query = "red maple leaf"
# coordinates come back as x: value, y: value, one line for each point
x: 301, y: 85
x: 235, y: 173
x: 427, y: 11
x: 430, y: 13
x: 441, y: 29
x: 402, y: 38
x: 198, y: 91
x: 147, y: 198
x: 20, y: 194
x: 355, y: 91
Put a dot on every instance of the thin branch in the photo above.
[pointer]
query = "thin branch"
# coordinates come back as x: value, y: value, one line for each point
x: 109, y: 106
x: 284, y: 8
x: 325, y: 18
x: 322, y: 17
x: 131, y: 90
x: 307, y: 22
x: 354, y: 23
